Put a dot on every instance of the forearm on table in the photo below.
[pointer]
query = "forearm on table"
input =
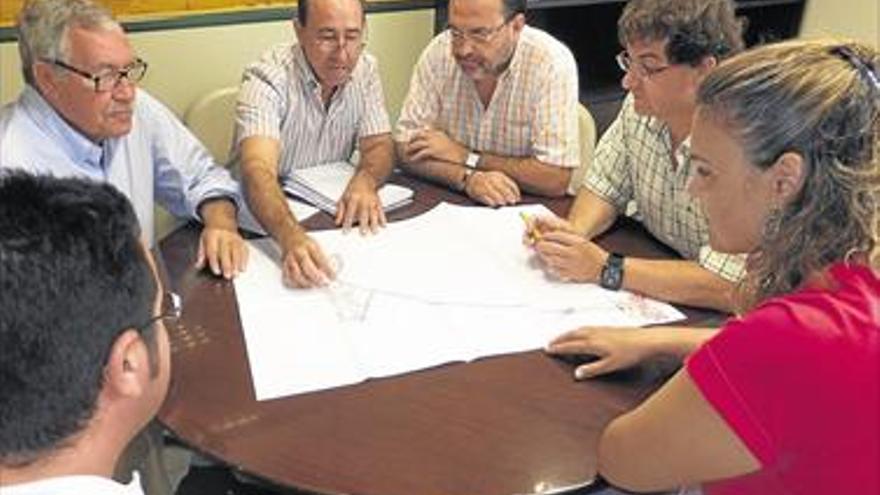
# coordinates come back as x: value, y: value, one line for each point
x: 679, y: 282
x: 267, y: 201
x: 676, y: 341
x: 377, y: 157
x: 448, y: 174
x: 532, y: 175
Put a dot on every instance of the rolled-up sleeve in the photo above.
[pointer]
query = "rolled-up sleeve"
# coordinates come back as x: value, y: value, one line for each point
x: 374, y: 119
x: 555, y: 140
x: 608, y: 177
x: 185, y: 172
x: 421, y: 106
x: 262, y: 98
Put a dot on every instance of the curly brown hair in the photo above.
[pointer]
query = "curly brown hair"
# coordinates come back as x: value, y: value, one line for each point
x: 692, y: 29
x: 821, y: 100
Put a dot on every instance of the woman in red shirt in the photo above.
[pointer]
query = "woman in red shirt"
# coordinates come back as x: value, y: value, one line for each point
x: 784, y: 399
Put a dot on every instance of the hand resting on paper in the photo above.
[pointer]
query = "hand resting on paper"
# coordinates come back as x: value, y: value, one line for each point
x: 303, y: 262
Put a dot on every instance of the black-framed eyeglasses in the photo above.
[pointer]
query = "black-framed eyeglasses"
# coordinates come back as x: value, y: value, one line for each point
x: 107, y: 79
x: 479, y: 36
x: 636, y: 67
x: 172, y: 307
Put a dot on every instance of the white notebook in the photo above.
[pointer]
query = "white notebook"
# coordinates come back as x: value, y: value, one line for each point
x: 323, y: 185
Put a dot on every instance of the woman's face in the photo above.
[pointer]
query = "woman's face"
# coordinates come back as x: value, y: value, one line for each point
x: 735, y: 195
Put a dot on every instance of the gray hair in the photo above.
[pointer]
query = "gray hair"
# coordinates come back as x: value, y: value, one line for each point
x: 43, y: 26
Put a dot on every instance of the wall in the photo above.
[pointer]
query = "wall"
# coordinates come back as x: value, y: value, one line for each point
x: 859, y: 19
x: 187, y: 63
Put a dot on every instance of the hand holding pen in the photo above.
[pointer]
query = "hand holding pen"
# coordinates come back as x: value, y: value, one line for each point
x: 538, y: 226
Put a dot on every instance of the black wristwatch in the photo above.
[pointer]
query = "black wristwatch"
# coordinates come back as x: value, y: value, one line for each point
x: 612, y: 273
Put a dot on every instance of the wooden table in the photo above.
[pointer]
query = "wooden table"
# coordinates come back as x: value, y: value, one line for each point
x: 513, y: 424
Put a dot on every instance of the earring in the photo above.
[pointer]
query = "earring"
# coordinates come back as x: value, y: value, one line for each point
x: 772, y: 224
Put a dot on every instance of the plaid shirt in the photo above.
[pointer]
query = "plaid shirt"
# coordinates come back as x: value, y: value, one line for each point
x: 533, y: 112
x: 280, y: 98
x: 633, y: 162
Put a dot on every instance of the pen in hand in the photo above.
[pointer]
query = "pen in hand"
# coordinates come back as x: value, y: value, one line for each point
x: 533, y: 235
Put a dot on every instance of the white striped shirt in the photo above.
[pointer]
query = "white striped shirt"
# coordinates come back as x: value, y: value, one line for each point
x: 280, y: 98
x: 533, y: 111
x: 633, y: 161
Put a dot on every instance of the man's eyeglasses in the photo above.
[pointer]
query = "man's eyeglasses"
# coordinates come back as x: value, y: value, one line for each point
x: 171, y: 309
x: 350, y: 42
x: 478, y: 36
x: 108, y: 79
x: 638, y: 68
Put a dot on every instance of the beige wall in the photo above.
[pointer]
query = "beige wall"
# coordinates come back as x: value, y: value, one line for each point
x: 859, y: 19
x: 187, y: 63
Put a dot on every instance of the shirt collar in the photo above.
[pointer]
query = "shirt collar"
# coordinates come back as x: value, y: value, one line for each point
x: 76, y: 145
x: 307, y: 75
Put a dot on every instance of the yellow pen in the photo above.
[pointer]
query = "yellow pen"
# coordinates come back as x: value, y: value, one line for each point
x: 533, y: 234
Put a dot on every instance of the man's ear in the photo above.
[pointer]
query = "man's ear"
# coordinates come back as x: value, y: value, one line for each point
x: 706, y: 65
x: 128, y: 367
x: 46, y: 79
x: 518, y: 22
x: 788, y: 176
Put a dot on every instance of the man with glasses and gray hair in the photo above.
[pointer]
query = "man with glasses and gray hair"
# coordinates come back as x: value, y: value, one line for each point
x: 308, y: 103
x: 492, y: 107
x: 81, y: 114
x: 644, y: 157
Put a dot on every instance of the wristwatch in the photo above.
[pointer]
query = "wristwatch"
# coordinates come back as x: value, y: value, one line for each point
x: 472, y: 160
x: 612, y: 273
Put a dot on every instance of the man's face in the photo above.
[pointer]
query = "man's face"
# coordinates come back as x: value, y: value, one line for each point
x: 332, y: 39
x: 97, y: 114
x: 483, y: 41
x: 659, y: 88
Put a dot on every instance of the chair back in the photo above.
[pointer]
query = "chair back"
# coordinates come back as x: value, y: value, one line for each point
x: 587, y: 131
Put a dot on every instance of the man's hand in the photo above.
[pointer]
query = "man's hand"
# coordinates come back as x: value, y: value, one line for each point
x: 492, y: 188
x: 431, y: 144
x: 540, y: 225
x: 303, y: 263
x: 570, y: 257
x: 220, y: 246
x: 223, y: 250
x: 614, y: 348
x: 360, y: 203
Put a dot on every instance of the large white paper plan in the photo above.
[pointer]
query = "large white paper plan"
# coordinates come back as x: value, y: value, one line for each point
x: 453, y: 284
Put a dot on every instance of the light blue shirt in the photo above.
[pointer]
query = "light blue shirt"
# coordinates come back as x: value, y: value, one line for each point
x: 159, y: 160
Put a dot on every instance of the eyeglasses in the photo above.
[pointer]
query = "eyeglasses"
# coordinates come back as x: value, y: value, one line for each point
x: 171, y: 309
x: 350, y: 42
x: 478, y: 36
x: 638, y: 68
x: 107, y: 79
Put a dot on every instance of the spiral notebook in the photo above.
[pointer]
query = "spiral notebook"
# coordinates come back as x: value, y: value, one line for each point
x: 323, y: 185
